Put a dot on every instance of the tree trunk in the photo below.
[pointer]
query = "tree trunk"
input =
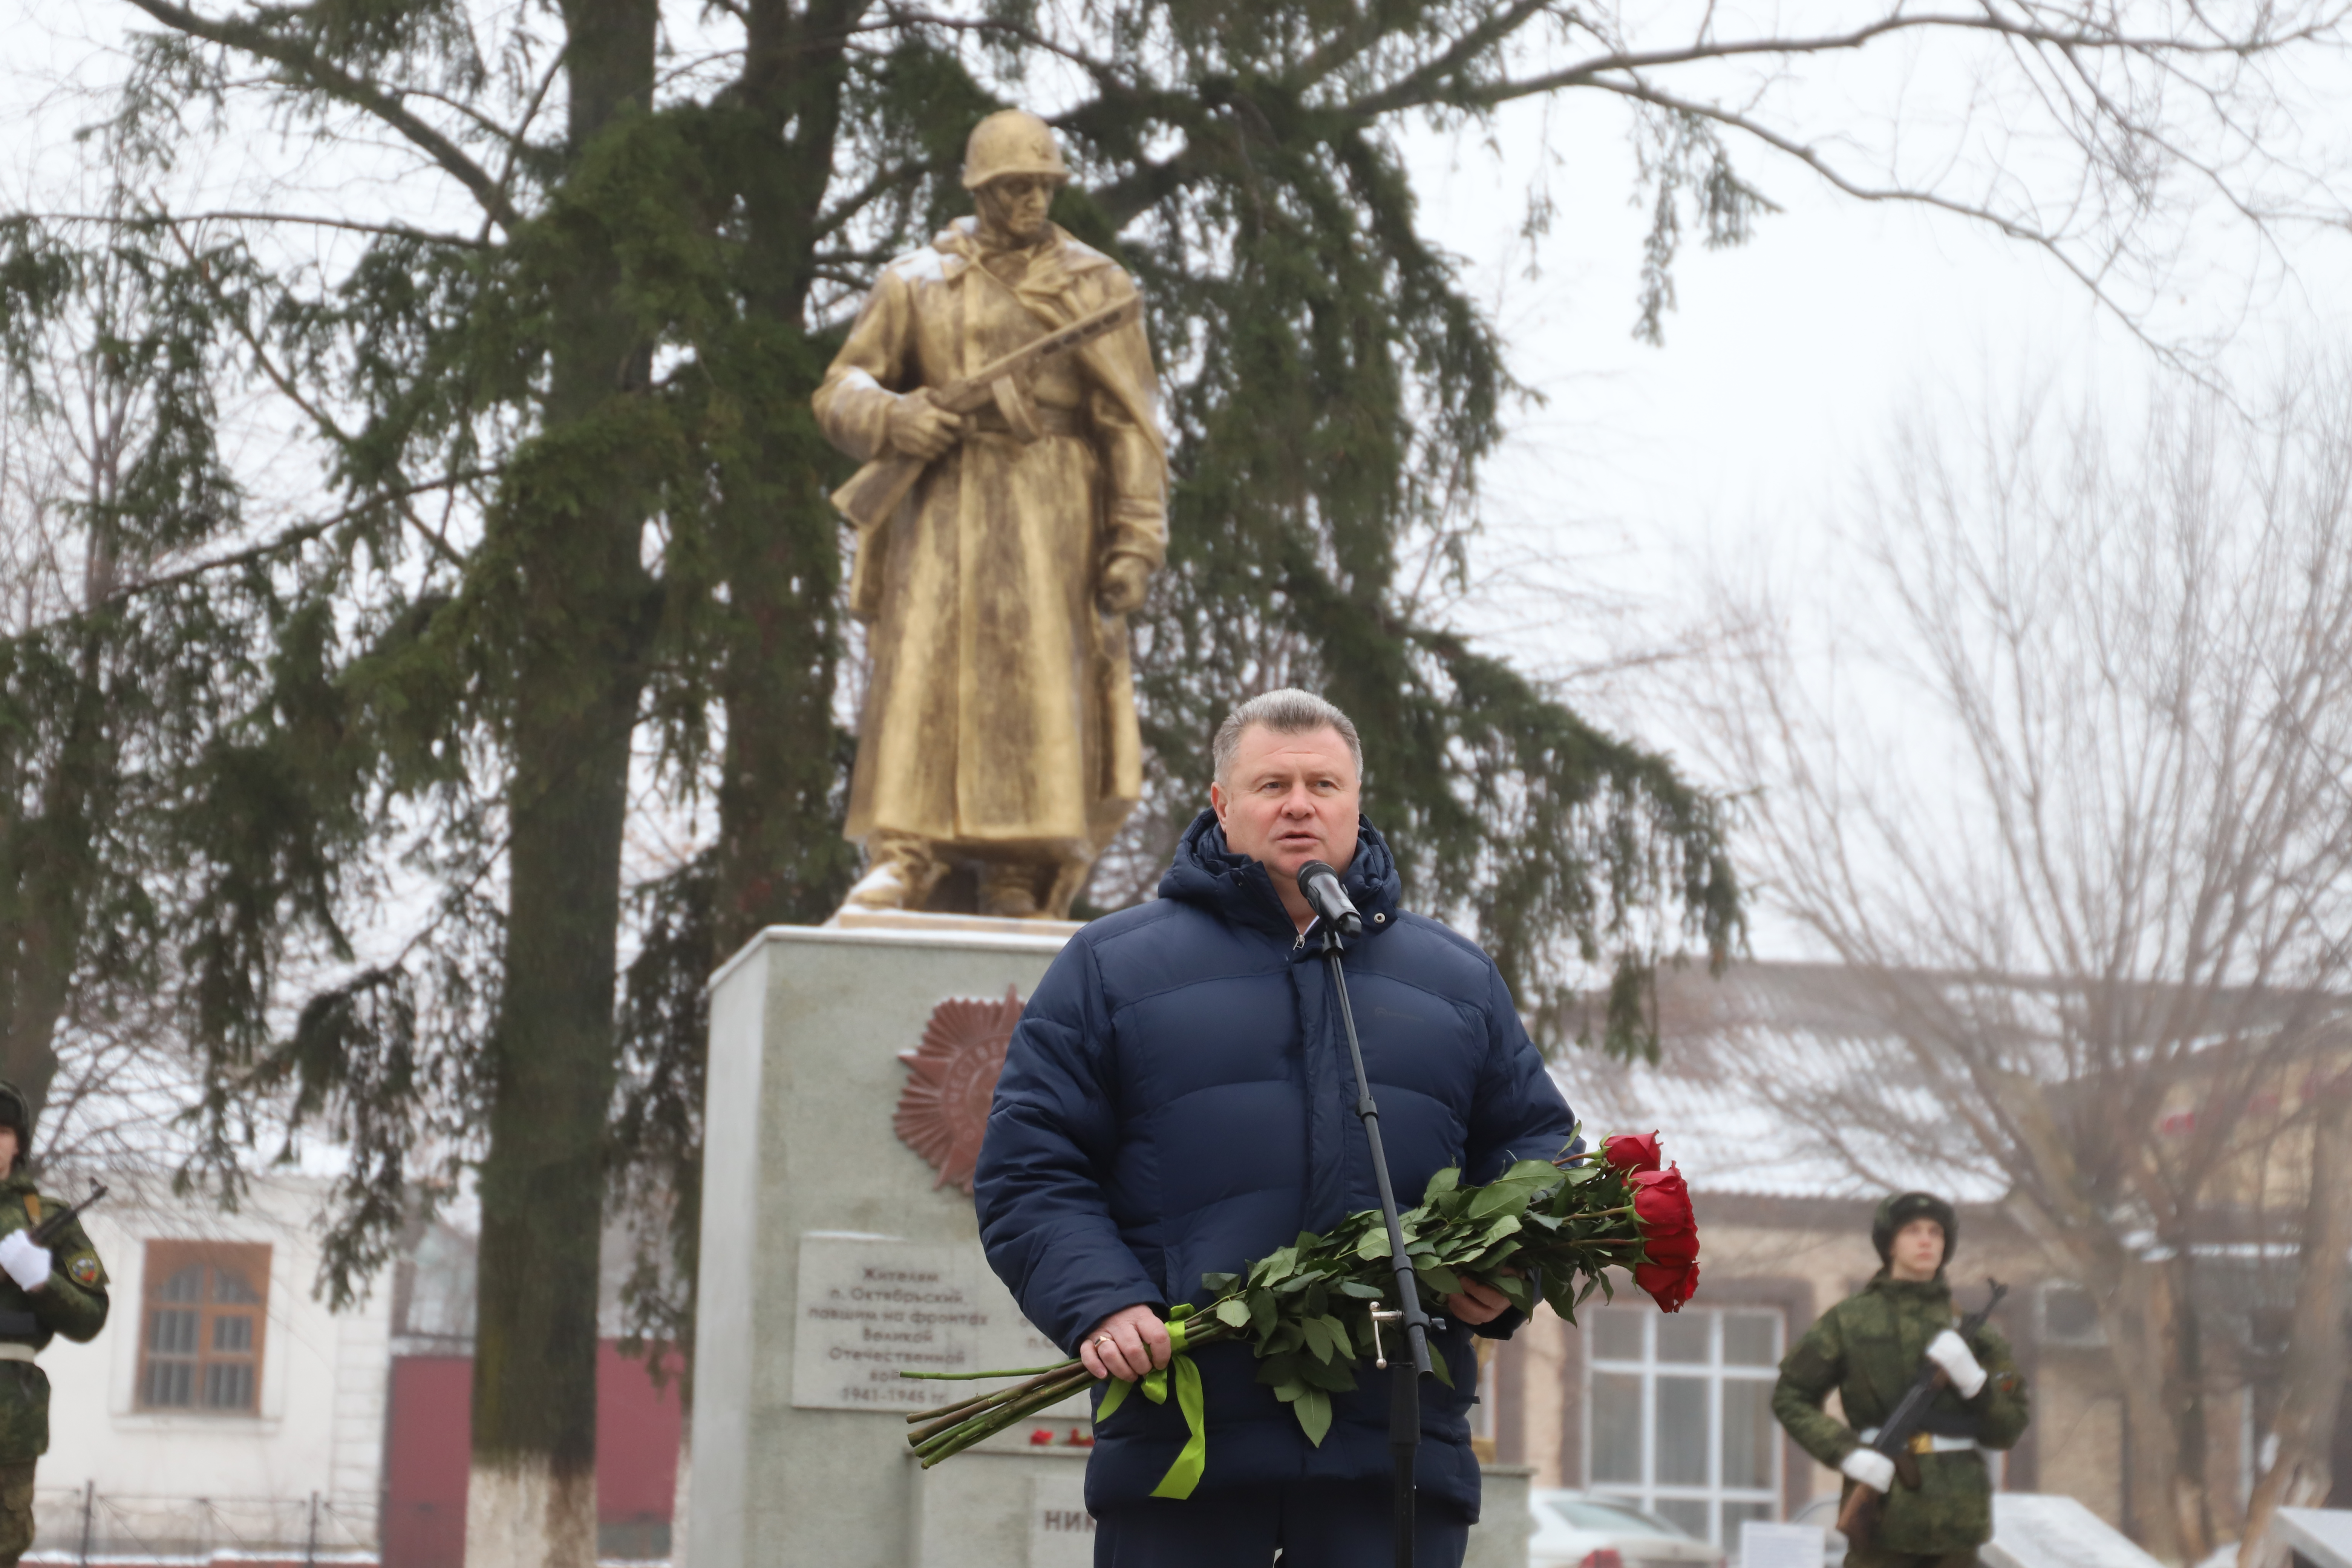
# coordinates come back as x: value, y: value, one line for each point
x: 49, y: 867
x: 781, y: 857
x: 2302, y: 1474
x: 575, y: 540
x: 681, y: 1497
x: 2139, y: 1330
x: 2184, y: 1401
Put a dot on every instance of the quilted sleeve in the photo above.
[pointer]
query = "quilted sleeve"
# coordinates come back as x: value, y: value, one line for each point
x: 1043, y: 1221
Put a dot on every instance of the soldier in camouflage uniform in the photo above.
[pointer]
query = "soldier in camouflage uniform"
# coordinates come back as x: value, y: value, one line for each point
x: 1869, y: 1347
x: 59, y: 1289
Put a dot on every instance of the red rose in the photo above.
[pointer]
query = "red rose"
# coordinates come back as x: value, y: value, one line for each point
x: 1662, y: 1208
x: 1668, y: 1285
x: 1633, y: 1151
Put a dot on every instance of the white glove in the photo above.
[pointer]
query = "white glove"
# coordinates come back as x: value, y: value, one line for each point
x: 1951, y: 1353
x: 26, y: 1263
x: 1872, y: 1468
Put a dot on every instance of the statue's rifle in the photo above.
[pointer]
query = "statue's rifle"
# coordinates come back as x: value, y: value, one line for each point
x: 1858, y: 1516
x: 874, y: 492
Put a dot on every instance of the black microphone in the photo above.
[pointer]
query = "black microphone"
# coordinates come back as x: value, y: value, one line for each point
x: 1320, y: 885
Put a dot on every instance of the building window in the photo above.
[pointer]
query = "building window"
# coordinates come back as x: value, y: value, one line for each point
x: 1678, y: 1414
x: 199, y: 1348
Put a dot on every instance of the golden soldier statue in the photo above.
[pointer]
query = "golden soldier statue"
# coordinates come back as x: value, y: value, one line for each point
x: 998, y: 732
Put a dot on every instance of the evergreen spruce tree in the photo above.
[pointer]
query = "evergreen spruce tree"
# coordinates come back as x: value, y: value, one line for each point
x: 574, y: 550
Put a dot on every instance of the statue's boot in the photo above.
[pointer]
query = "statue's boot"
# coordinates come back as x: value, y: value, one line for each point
x: 1009, y: 892
x: 899, y: 873
x: 1068, y: 877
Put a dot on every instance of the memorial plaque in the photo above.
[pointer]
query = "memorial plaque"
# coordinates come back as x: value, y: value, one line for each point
x: 1060, y: 1531
x: 872, y: 1307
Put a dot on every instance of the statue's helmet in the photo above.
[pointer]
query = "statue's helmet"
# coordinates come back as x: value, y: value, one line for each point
x: 17, y: 1115
x: 1010, y: 142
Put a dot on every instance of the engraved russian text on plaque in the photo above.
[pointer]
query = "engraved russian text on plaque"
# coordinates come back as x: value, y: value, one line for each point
x: 874, y: 1307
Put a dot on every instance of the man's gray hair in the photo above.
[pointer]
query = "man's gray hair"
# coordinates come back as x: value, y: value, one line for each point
x: 1288, y: 711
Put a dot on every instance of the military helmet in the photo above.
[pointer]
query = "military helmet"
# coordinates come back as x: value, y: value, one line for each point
x: 17, y: 1115
x: 1010, y: 142
x: 1901, y: 1210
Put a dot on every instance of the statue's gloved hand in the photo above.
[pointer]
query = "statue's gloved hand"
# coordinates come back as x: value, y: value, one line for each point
x: 1951, y: 1353
x: 1124, y: 580
x: 27, y: 1261
x: 920, y: 429
x: 1871, y: 1467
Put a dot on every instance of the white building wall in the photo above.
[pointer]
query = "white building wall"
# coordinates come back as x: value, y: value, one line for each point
x: 186, y: 1478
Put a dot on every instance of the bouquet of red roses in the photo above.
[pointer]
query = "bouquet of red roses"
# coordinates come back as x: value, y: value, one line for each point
x: 1543, y: 1227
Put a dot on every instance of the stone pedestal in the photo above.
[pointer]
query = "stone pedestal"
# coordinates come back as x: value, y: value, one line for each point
x: 834, y: 1254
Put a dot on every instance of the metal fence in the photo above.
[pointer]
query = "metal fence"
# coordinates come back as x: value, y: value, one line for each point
x: 84, y: 1526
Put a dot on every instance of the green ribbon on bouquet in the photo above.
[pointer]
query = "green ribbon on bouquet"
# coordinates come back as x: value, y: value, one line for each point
x: 1193, y: 1459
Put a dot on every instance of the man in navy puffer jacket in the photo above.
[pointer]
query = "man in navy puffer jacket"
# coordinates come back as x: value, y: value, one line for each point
x: 1178, y: 1100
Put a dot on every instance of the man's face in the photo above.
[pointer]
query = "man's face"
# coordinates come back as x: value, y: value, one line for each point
x: 1919, y: 1250
x: 1291, y: 799
x: 1016, y: 206
x: 8, y: 1150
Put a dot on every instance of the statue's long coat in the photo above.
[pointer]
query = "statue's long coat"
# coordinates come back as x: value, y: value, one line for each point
x: 1001, y: 712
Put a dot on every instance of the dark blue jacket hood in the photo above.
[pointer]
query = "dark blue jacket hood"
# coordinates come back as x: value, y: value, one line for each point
x: 1241, y: 890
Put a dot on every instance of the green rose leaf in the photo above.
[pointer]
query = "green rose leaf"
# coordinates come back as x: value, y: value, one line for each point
x: 1438, y: 1368
x: 1444, y: 1181
x: 1319, y: 1338
x: 1499, y: 1197
x: 1338, y: 1377
x: 1313, y: 1409
x: 1234, y: 1312
x: 1440, y: 1279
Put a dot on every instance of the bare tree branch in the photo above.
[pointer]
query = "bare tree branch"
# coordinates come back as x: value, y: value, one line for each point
x: 327, y: 77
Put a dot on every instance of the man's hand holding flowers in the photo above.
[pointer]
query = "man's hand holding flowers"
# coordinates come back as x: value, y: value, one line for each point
x: 1479, y: 1302
x: 1128, y: 1343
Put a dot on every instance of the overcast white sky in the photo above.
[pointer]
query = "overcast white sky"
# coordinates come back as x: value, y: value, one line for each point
x: 1733, y: 451
x: 1789, y: 357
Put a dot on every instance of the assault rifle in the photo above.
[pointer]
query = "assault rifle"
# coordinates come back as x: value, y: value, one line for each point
x: 48, y: 1230
x: 874, y: 492
x: 1858, y: 1519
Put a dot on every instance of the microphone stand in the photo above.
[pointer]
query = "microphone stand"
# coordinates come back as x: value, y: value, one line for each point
x: 1404, y: 1383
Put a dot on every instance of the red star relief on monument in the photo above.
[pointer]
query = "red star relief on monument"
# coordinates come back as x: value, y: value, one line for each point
x: 950, y: 1081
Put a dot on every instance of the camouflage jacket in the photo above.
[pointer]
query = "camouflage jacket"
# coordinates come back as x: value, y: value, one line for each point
x: 1868, y: 1347
x: 73, y: 1303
